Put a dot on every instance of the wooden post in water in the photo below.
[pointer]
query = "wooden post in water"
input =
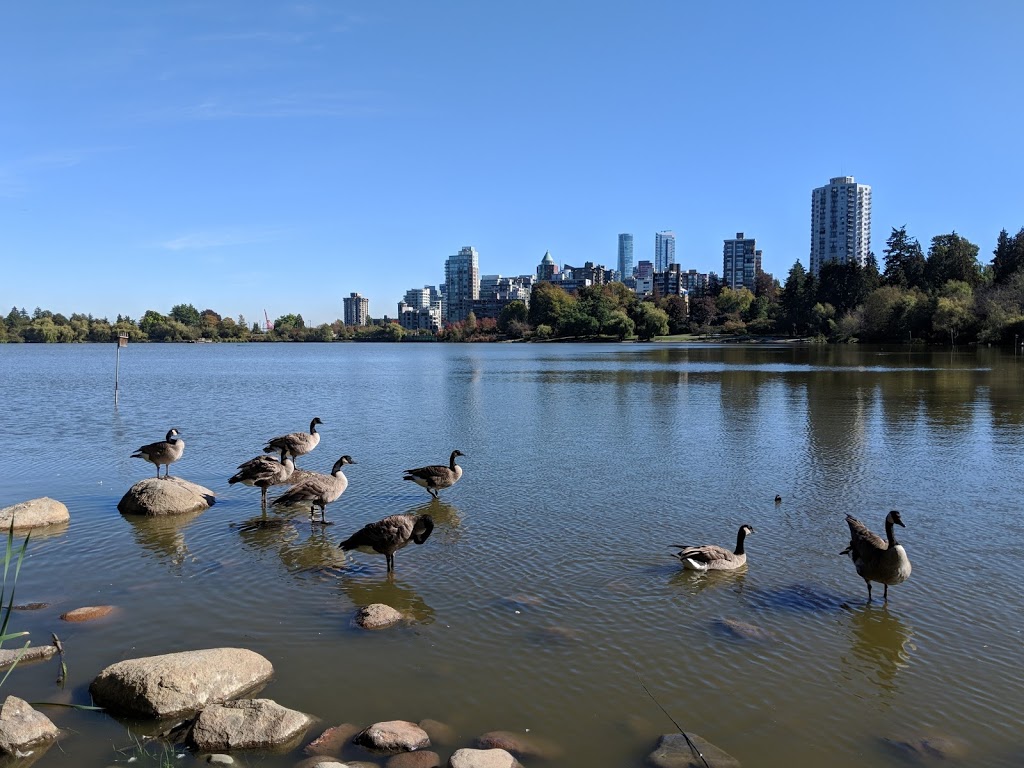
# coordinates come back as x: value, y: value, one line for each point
x: 122, y: 341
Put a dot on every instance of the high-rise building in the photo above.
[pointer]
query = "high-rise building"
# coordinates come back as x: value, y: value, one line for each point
x: 664, y: 250
x: 644, y: 269
x: 357, y: 309
x: 548, y: 268
x: 741, y: 262
x: 840, y: 223
x: 462, y: 278
x: 625, y: 264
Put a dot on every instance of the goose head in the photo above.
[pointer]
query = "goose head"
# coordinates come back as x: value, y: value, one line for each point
x: 172, y: 434
x: 745, y: 529
x: 894, y: 517
x: 313, y: 423
x: 346, y: 459
x: 421, y: 531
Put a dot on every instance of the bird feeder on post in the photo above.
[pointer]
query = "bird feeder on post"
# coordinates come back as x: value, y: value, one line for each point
x: 122, y: 341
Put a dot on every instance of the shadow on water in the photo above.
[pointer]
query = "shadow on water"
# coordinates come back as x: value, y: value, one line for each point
x: 163, y: 536
x: 881, y: 646
x: 798, y: 598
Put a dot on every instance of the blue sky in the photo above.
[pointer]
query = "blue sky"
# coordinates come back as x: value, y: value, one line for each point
x: 245, y: 155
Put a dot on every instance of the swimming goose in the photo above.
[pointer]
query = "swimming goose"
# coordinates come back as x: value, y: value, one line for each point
x: 875, y: 560
x: 296, y: 443
x: 714, y: 558
x: 166, y: 452
x: 319, y: 490
x: 436, y: 476
x: 263, y: 472
x: 778, y: 499
x: 391, y: 534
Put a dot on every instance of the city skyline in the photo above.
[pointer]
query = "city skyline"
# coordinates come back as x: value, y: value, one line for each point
x: 280, y: 156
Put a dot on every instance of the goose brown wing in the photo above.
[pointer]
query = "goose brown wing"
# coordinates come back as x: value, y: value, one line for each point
x: 433, y: 472
x: 860, y: 536
x: 385, y: 534
x: 709, y: 553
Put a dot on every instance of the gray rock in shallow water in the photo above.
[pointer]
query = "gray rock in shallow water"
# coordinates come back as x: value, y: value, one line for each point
x: 248, y: 724
x: 482, y: 758
x: 377, y: 616
x: 22, y: 728
x: 393, y: 736
x: 743, y: 630
x: 176, y: 683
x: 170, y: 496
x: 332, y: 741
x: 35, y: 513
x: 220, y: 760
x: 424, y: 758
x: 10, y: 656
x: 439, y: 733
x: 674, y: 752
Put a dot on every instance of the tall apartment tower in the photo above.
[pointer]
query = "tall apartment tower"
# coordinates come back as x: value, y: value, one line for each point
x: 462, y: 281
x: 840, y: 223
x: 625, y: 256
x: 741, y: 262
x: 664, y: 250
x: 357, y: 309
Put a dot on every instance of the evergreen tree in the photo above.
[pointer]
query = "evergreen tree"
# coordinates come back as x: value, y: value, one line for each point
x: 952, y: 257
x: 1008, y: 255
x: 904, y: 260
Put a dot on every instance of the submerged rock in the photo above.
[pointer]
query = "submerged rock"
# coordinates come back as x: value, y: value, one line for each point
x: 927, y: 749
x: 22, y: 728
x: 482, y: 758
x: 247, y: 724
x: 377, y: 616
x: 743, y: 630
x: 393, y: 736
x: 673, y: 751
x: 520, y: 745
x: 165, y: 496
x: 35, y: 513
x: 177, y: 683
x: 439, y: 733
x: 88, y: 613
x: 421, y: 759
x: 332, y: 741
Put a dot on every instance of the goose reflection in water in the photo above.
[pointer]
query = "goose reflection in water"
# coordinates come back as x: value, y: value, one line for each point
x: 163, y: 536
x: 881, y: 646
x: 372, y: 587
x: 695, y: 582
x: 299, y: 549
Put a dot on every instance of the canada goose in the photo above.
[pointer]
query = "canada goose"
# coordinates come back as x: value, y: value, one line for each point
x: 778, y: 499
x: 166, y: 452
x: 877, y: 560
x: 436, y: 476
x: 391, y: 534
x: 319, y: 490
x: 296, y: 443
x: 263, y: 472
x: 714, y: 558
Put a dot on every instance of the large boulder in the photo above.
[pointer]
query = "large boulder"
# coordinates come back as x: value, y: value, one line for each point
x: 482, y: 758
x: 393, y: 736
x: 176, y: 683
x: 165, y: 496
x: 248, y: 724
x: 36, y: 513
x: 22, y: 727
x: 673, y: 751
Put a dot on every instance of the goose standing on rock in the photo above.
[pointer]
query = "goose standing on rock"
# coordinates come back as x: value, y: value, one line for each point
x: 165, y: 452
x: 263, y: 472
x: 317, y: 490
x: 714, y: 558
x: 436, y: 476
x: 876, y: 560
x: 297, y: 443
x: 391, y: 534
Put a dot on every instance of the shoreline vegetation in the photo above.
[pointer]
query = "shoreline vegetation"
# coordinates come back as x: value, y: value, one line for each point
x: 946, y: 297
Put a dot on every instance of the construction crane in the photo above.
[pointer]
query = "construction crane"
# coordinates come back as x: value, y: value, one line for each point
x: 267, y: 325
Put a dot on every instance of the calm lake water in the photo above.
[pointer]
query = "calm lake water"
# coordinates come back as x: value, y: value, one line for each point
x: 548, y: 584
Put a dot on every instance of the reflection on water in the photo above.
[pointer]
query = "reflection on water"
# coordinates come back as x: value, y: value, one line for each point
x: 881, y: 646
x: 365, y: 589
x: 163, y: 536
x: 695, y: 582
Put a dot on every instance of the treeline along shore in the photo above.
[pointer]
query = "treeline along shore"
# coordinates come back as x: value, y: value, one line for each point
x: 946, y: 296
